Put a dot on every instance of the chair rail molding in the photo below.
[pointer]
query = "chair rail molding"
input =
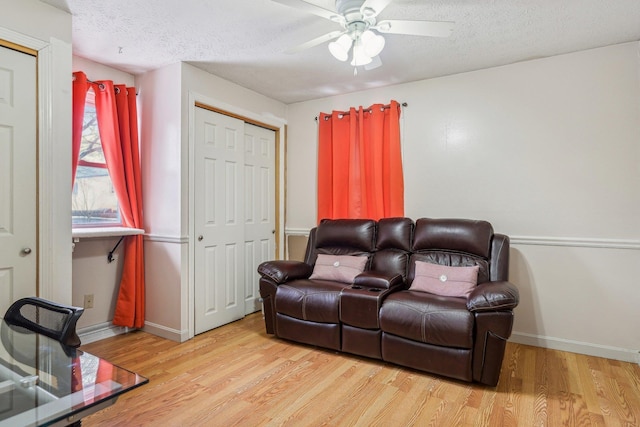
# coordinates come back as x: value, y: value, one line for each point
x: 576, y: 242
x: 296, y: 231
x: 166, y: 238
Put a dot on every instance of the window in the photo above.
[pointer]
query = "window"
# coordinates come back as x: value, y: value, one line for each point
x: 94, y: 201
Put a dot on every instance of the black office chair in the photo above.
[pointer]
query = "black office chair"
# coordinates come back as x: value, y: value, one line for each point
x: 48, y: 318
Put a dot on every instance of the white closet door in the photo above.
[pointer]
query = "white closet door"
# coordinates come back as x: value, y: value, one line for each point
x: 259, y: 202
x: 219, y: 220
x: 18, y: 166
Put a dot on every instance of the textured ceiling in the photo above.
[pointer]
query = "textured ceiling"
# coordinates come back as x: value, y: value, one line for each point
x: 244, y: 40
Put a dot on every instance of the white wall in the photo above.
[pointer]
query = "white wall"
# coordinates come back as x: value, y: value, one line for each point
x: 159, y: 98
x: 161, y: 155
x: 547, y: 150
x: 33, y: 24
x: 94, y: 275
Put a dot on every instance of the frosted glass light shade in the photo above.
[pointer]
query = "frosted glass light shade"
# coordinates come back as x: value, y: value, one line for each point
x: 340, y: 48
x: 372, y: 43
x: 359, y: 56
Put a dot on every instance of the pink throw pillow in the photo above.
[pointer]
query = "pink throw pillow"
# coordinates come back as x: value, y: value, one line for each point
x: 444, y: 280
x: 339, y: 268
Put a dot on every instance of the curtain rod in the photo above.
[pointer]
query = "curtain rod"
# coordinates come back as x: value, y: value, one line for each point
x: 90, y: 81
x: 368, y: 110
x: 101, y: 85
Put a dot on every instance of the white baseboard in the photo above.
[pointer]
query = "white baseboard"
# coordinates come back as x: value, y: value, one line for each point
x: 589, y: 349
x: 100, y: 331
x: 107, y: 330
x: 167, y: 333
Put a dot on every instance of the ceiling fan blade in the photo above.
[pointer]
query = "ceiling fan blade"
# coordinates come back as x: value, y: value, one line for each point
x: 312, y: 8
x: 315, y: 42
x: 416, y: 28
x: 376, y: 6
x: 375, y: 63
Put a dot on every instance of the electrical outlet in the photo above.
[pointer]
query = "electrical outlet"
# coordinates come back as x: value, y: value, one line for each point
x: 88, y: 301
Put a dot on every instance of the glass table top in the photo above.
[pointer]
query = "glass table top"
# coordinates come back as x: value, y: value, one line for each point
x: 43, y: 382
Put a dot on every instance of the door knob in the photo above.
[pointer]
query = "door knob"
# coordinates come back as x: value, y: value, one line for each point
x: 200, y: 237
x: 26, y: 251
x: 273, y: 231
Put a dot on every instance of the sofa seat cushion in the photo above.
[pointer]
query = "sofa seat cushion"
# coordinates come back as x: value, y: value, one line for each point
x: 314, y: 300
x: 428, y: 318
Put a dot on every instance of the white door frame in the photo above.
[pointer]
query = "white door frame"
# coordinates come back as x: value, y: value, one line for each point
x: 279, y: 125
x: 54, y: 163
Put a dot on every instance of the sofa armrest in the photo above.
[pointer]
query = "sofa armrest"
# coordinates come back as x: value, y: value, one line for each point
x: 493, y: 296
x: 281, y: 271
x: 377, y: 279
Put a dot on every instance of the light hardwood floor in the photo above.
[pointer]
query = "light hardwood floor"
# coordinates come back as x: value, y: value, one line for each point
x: 239, y: 375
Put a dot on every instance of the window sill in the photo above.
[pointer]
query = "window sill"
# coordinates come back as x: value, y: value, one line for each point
x: 89, y: 232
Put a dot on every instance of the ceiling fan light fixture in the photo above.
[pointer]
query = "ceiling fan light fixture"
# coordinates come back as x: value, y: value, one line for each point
x: 372, y: 43
x: 340, y: 48
x: 359, y: 56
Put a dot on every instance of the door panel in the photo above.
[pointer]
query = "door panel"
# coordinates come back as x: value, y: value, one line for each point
x: 259, y: 194
x: 18, y: 239
x: 218, y: 220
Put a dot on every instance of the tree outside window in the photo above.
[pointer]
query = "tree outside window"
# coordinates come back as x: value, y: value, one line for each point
x: 94, y: 201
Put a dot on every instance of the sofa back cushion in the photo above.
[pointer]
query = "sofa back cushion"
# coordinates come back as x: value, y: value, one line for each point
x: 454, y: 243
x: 393, y: 246
x: 341, y: 237
x: 462, y: 235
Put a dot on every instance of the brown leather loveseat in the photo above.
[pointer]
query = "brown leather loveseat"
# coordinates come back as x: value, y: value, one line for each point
x: 416, y: 303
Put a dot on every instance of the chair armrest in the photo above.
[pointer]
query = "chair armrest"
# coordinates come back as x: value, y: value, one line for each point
x: 377, y: 279
x: 493, y: 296
x: 282, y: 271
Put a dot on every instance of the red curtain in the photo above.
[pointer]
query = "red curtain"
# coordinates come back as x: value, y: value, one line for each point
x: 360, y: 163
x: 80, y: 89
x: 118, y: 125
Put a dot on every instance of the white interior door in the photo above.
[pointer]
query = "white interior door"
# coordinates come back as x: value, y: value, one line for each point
x: 18, y: 239
x: 259, y: 202
x: 218, y: 220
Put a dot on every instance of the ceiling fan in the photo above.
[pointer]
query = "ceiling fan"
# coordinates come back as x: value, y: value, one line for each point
x: 360, y: 29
